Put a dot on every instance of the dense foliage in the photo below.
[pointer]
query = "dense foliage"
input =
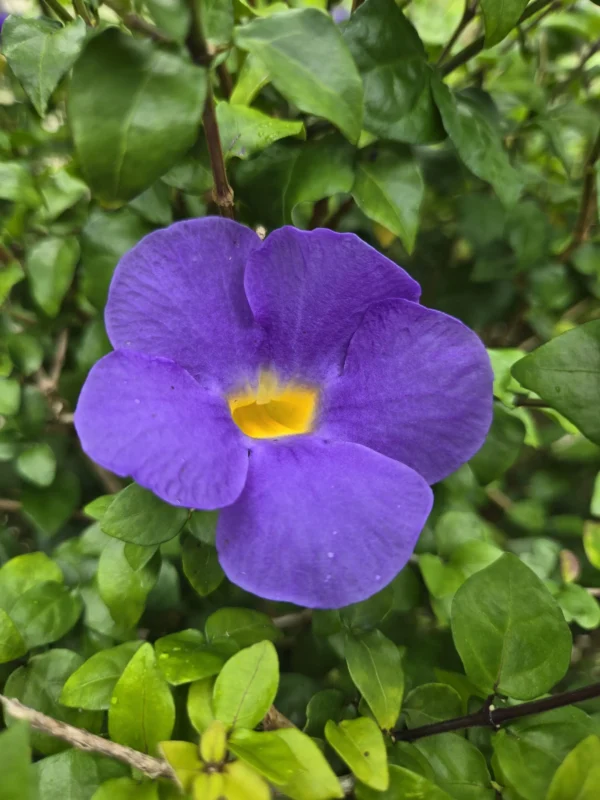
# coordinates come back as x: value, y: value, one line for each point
x: 462, y: 140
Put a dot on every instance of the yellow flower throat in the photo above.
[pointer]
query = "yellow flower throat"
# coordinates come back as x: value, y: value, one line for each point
x: 268, y: 410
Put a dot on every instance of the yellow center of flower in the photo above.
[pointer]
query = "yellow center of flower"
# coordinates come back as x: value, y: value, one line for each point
x: 268, y: 410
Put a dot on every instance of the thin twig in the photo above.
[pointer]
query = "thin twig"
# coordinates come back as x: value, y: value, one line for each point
x: 274, y: 720
x: 498, y: 497
x: 60, y: 12
x: 109, y: 481
x: 477, y: 46
x: 356, y: 4
x: 530, y: 402
x: 335, y: 219
x: 490, y: 717
x: 225, y: 80
x: 222, y: 191
x: 83, y: 740
x: 81, y: 11
x: 10, y: 506
x: 468, y: 15
x: 139, y: 24
x: 292, y: 620
x: 320, y: 213
x: 589, y: 203
x: 60, y: 353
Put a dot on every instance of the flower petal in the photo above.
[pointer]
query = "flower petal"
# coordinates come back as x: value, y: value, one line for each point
x: 309, y: 290
x: 148, y: 418
x: 321, y: 524
x: 416, y: 386
x: 179, y: 294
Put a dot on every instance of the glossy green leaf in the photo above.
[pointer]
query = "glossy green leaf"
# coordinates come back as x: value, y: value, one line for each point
x: 375, y: 667
x: 75, y: 774
x: 251, y: 78
x: 393, y: 65
x: 18, y: 780
x: 310, y: 64
x: 126, y: 789
x: 359, y: 742
x: 60, y: 191
x: 578, y: 777
x: 39, y: 684
x: 184, y: 759
x: 123, y: 588
x: 500, y: 18
x: 216, y: 17
x: 246, y: 686
x: 199, y: 704
x: 509, y: 631
x: 184, y: 657
x: 459, y: 767
x: 389, y: 189
x: 368, y: 613
x: 45, y: 613
x: 51, y: 265
x: 22, y: 573
x: 40, y: 52
x: 37, y: 464
x: 431, y: 702
x: 323, y: 706
x: 316, y: 781
x: 12, y: 644
x: 501, y: 448
x: 201, y: 566
x: 245, y: 131
x: 142, y: 711
x: 241, y: 783
x: 244, y: 625
x: 477, y: 141
x: 267, y: 753
x: 403, y: 783
x: 92, y: 684
x: 26, y: 352
x: 11, y: 274
x: 139, y: 517
x: 565, y: 373
x: 51, y: 507
x: 16, y: 184
x: 579, y: 606
x: 434, y: 19
x: 10, y: 396
x: 134, y: 80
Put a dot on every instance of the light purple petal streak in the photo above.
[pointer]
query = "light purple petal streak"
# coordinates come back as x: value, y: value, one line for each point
x: 321, y: 524
x: 179, y: 294
x: 416, y: 386
x: 147, y: 418
x: 309, y: 290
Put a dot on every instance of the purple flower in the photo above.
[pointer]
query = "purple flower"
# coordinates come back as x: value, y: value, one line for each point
x: 297, y: 385
x: 3, y: 18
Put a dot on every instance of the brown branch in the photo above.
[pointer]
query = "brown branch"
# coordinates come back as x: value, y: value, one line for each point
x: 222, y: 191
x: 335, y: 219
x: 356, y: 4
x: 477, y: 46
x: 10, y: 506
x: 89, y: 742
x: 320, y: 213
x: 490, y: 717
x: 109, y: 481
x: 225, y: 80
x: 589, y: 203
x: 292, y: 620
x: 139, y: 24
x: 274, y: 720
x: 468, y: 15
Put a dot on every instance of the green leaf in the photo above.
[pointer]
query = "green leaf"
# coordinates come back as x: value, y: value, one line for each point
x: 154, y: 205
x: 139, y: 517
x: 105, y: 238
x: 75, y: 774
x: 500, y: 18
x: 10, y: 396
x: 184, y: 657
x: 40, y: 52
x: 244, y: 625
x: 203, y: 525
x: 38, y: 685
x: 578, y: 777
x: 142, y: 711
x: 286, y: 175
x: 46, y: 612
x: 375, y: 667
x: 316, y: 781
x: 246, y: 686
x: 98, y: 507
x: 239, y: 783
x: 403, y: 783
x: 251, y: 78
x: 123, y: 588
x: 50, y: 268
x: 60, y: 191
x: 431, y: 702
x: 126, y: 789
x: 199, y: 704
x: 565, y: 373
x: 392, y: 62
x: 368, y: 613
x: 201, y: 566
x: 477, y: 141
x: 26, y: 352
x: 529, y: 753
x: 436, y: 19
x: 22, y: 573
x: 359, y: 742
x: 51, y: 507
x: 310, y: 64
x: 216, y: 18
x: 501, y: 448
x: 579, y: 606
x: 37, y: 464
x: 323, y: 706
x: 245, y: 131
x: 509, y: 631
x: 92, y: 684
x: 16, y: 184
x: 18, y: 781
x: 389, y: 189
x: 267, y: 753
x: 12, y: 273
x: 133, y: 80
x: 12, y: 644
x: 458, y: 766
x: 184, y: 759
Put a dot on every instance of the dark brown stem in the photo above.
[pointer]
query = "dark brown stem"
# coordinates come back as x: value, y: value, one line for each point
x: 222, y: 191
x: 139, y: 24
x: 490, y: 717
x: 356, y: 4
x: 335, y: 219
x: 225, y: 81
x: 589, y: 203
x: 468, y: 15
x: 530, y: 402
x: 10, y: 506
x: 477, y: 46
x: 319, y: 215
